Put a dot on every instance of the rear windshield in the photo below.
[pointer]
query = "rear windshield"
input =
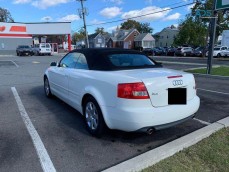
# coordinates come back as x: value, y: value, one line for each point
x: 130, y: 60
x: 47, y: 46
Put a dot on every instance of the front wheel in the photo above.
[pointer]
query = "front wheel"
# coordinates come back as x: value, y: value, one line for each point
x: 47, y: 88
x: 93, y: 117
x: 218, y: 55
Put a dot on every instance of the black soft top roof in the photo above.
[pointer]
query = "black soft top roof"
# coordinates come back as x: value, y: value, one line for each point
x: 97, y: 57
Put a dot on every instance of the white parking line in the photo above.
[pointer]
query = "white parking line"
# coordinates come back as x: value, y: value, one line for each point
x: 42, y: 153
x: 218, y: 92
x: 10, y: 61
x: 201, y: 121
x: 14, y: 63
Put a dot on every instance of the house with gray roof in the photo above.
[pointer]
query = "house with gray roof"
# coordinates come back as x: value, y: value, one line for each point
x: 123, y: 39
x: 97, y: 40
x: 144, y: 40
x: 166, y: 37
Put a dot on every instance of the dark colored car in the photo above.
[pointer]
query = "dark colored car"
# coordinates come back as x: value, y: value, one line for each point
x: 24, y: 50
x: 148, y: 51
x: 199, y: 51
x: 171, y: 51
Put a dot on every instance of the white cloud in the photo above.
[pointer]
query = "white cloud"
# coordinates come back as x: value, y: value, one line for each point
x: 189, y: 7
x: 156, y: 14
x: 111, y: 12
x: 21, y: 1
x: 115, y: 1
x: 174, y: 16
x: 112, y: 28
x: 176, y: 25
x: 43, y: 4
x: 69, y: 18
x: 46, y: 18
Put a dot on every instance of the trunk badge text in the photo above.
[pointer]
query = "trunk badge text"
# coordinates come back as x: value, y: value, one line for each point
x: 177, y: 82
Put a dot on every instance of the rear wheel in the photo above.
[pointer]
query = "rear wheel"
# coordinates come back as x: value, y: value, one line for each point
x: 218, y: 55
x: 185, y: 54
x: 93, y: 117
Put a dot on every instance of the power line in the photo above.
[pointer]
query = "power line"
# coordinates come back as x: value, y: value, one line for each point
x: 114, y: 21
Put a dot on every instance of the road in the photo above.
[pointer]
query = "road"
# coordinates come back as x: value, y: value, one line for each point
x: 61, y: 128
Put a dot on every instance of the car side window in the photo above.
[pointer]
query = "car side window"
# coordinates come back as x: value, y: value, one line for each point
x: 69, y: 61
x: 81, y: 62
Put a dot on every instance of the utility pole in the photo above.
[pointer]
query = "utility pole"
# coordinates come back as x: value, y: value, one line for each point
x: 212, y: 39
x: 82, y: 13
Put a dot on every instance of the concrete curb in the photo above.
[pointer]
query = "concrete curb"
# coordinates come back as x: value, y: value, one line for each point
x: 187, y: 70
x: 182, y: 63
x: 152, y: 157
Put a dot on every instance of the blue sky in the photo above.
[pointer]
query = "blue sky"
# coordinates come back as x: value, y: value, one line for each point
x: 98, y: 11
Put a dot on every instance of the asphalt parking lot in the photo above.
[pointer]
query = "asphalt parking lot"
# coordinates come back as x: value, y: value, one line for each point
x: 61, y: 128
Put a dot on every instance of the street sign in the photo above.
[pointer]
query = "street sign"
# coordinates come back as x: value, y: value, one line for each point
x: 222, y: 4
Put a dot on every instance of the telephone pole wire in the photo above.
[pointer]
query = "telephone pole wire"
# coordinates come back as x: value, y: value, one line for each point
x: 82, y: 13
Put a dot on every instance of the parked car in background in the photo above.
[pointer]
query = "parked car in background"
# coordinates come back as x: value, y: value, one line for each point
x: 161, y: 51
x: 199, y: 51
x: 122, y: 89
x: 219, y: 51
x: 184, y: 51
x: 24, y: 50
x: 171, y: 51
x: 42, y: 49
x: 152, y: 51
x: 148, y: 51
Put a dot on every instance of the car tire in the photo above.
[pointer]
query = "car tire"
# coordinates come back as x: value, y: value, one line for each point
x: 93, y: 116
x: 218, y: 55
x: 37, y: 53
x: 185, y: 54
x: 47, y: 88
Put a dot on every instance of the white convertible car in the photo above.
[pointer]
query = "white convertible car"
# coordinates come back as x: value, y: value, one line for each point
x: 122, y: 89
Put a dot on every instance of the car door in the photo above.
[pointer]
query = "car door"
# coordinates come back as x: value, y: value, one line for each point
x: 77, y: 80
x: 60, y: 75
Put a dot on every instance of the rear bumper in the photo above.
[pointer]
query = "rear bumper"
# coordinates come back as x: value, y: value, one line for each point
x: 135, y: 118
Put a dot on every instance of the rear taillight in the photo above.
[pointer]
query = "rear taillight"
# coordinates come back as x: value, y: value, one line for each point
x: 132, y: 91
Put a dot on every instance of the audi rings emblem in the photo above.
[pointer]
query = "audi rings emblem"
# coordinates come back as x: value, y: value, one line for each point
x: 177, y: 82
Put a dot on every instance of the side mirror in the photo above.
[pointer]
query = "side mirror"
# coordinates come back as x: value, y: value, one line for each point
x: 53, y: 64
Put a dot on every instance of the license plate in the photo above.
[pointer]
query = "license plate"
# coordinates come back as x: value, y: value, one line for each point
x: 177, y: 96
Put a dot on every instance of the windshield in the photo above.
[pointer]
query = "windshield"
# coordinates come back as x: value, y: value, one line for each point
x: 130, y: 60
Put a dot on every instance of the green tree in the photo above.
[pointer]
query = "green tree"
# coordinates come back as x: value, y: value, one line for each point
x: 141, y: 27
x: 195, y: 30
x: 100, y: 30
x: 5, y: 15
x: 77, y: 36
x: 191, y: 33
